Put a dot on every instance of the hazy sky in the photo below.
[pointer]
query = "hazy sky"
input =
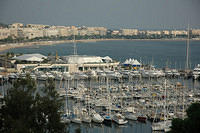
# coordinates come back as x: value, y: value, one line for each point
x: 142, y: 14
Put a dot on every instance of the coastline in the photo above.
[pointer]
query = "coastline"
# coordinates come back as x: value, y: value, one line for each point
x: 7, y: 46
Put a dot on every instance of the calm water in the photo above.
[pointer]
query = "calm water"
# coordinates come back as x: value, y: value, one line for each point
x: 130, y: 127
x: 158, y: 53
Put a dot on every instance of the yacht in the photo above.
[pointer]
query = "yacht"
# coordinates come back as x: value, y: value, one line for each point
x: 142, y: 118
x: 107, y: 119
x: 97, y: 118
x: 175, y: 73
x: 119, y: 119
x: 76, y: 117
x: 162, y: 126
x: 130, y: 116
x: 85, y: 116
x: 196, y: 72
x: 168, y: 73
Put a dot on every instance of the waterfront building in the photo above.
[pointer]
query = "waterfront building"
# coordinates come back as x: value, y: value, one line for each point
x: 82, y: 32
x: 195, y: 32
x: 30, y: 33
x: 166, y: 32
x: 16, y: 25
x: 129, y: 32
x: 115, y: 32
x: 51, y: 32
x: 64, y: 31
x: 38, y: 26
x: 142, y: 32
x: 4, y: 33
x: 179, y: 32
x: 71, y: 63
x: 92, y: 31
x: 31, y: 57
x: 153, y: 32
x: 16, y: 33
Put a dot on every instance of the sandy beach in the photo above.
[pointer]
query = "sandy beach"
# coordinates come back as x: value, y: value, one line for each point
x: 7, y: 46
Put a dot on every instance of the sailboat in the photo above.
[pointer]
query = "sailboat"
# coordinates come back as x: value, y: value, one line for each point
x: 85, y: 116
x: 97, y: 118
x: 86, y: 113
x: 107, y: 117
x: 76, y: 118
x: 166, y: 124
x: 130, y: 114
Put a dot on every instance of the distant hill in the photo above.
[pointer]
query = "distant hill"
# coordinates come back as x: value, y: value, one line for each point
x: 3, y: 25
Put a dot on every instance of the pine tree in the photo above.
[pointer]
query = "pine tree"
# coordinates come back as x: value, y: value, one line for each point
x: 28, y: 110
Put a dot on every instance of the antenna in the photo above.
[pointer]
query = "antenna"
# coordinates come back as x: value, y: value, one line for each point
x: 187, y: 49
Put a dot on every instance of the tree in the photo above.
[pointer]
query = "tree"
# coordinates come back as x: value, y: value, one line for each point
x: 189, y: 124
x: 28, y: 110
x: 48, y: 107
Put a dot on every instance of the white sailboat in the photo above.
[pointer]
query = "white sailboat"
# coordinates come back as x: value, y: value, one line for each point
x: 166, y: 124
x: 76, y: 118
x: 96, y: 117
x: 85, y: 116
x: 107, y: 117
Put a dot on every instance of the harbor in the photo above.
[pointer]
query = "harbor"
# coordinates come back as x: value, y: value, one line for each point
x: 102, y: 94
x: 74, y: 66
x: 113, y: 98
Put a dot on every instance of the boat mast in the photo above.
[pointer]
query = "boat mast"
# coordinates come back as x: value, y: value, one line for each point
x: 165, y: 103
x: 187, y: 50
x: 75, y: 48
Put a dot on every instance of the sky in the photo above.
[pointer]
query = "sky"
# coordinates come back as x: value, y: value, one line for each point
x: 114, y: 14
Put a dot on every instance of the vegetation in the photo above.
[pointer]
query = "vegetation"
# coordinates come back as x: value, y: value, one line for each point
x: 189, y: 125
x: 29, y: 110
x: 85, y: 37
x: 3, y: 25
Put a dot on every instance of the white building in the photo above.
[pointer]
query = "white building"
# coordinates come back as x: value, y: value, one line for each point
x: 196, y: 32
x: 129, y: 32
x: 51, y: 32
x: 71, y: 63
x: 16, y: 25
x: 153, y: 32
x: 4, y: 33
x: 165, y: 32
x: 37, y: 26
x: 31, y: 57
x: 30, y: 33
x: 178, y: 32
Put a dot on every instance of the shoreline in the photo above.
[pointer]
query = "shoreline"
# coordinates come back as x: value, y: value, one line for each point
x: 7, y: 46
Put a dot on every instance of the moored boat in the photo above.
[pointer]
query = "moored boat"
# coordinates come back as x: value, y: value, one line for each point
x: 119, y: 119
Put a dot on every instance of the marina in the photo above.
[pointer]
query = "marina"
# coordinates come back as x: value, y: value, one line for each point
x: 105, y: 95
x: 111, y: 101
x: 99, y: 66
